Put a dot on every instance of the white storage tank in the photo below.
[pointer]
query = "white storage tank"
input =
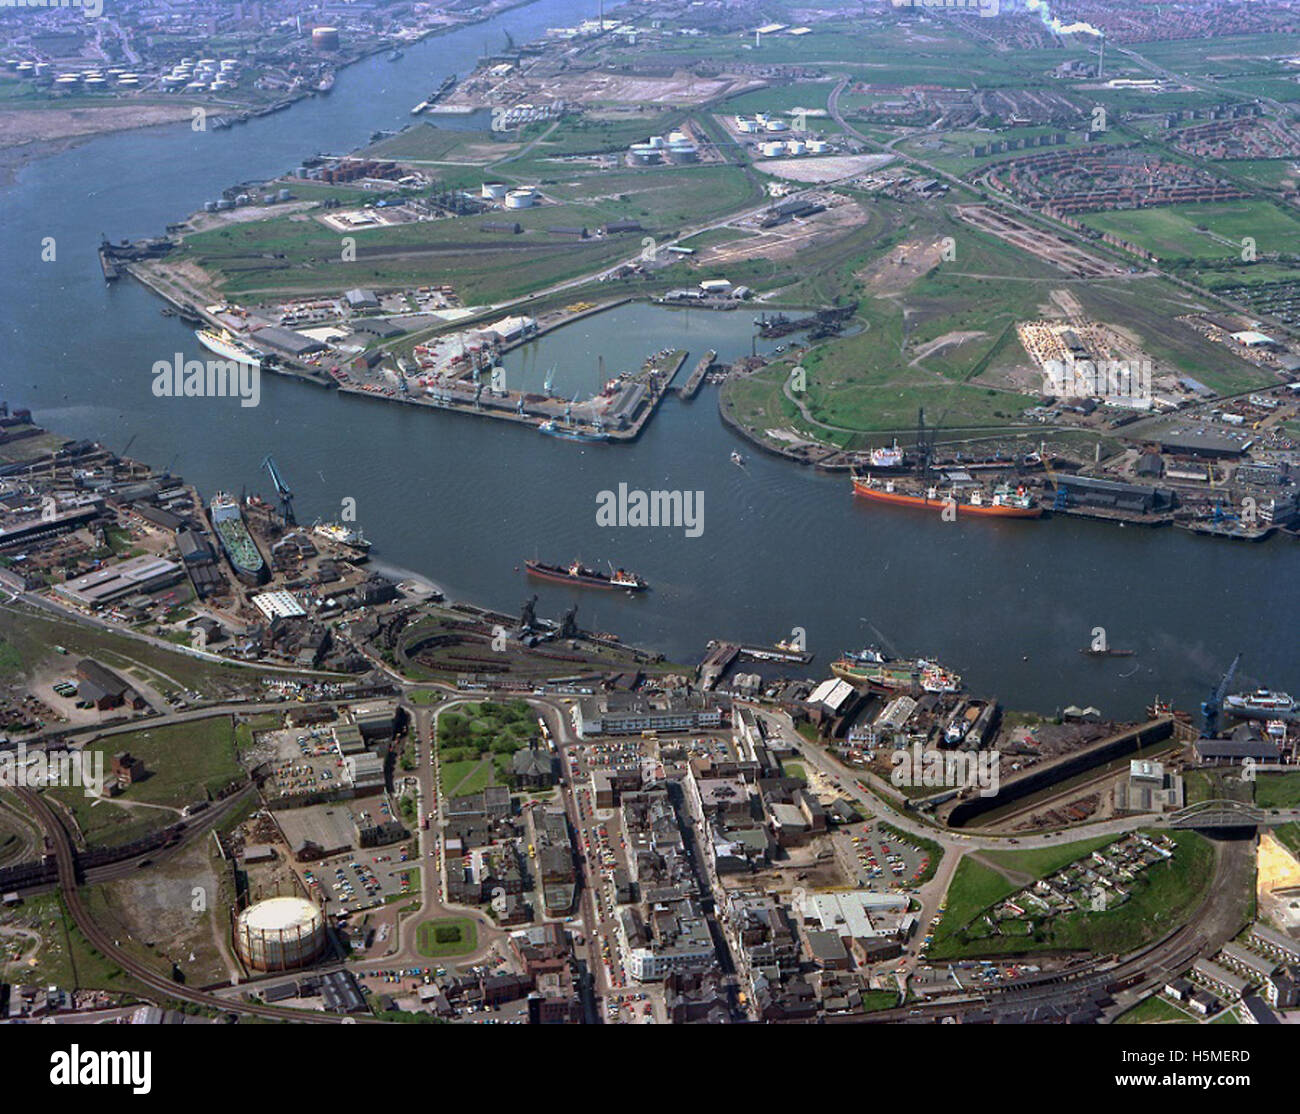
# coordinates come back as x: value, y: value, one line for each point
x: 495, y: 191
x: 280, y: 934
x: 519, y: 199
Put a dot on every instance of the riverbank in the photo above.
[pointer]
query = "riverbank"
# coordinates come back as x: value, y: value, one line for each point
x: 56, y: 129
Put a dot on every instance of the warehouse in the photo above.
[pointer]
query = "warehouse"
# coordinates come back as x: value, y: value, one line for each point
x: 115, y: 582
x: 1204, y: 443
x: 287, y: 341
x: 1085, y: 491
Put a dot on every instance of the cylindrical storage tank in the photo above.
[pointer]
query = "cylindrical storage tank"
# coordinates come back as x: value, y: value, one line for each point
x: 242, y: 199
x: 224, y: 204
x: 280, y: 934
x: 818, y: 147
x: 494, y: 190
x: 282, y: 195
x: 519, y: 199
x: 325, y: 38
x: 795, y: 147
x: 209, y: 206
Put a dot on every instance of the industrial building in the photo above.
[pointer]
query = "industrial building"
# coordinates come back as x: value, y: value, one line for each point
x: 115, y: 582
x: 631, y: 714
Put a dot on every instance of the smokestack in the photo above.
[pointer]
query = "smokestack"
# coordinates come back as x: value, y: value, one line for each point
x: 1101, y: 59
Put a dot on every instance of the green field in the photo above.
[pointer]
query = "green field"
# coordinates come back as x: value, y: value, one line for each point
x: 1277, y: 790
x: 254, y: 260
x: 1161, y: 898
x: 462, y: 938
x: 185, y: 763
x: 1204, y: 232
x: 1155, y: 1011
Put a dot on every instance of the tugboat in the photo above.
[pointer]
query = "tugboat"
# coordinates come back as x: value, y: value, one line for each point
x: 578, y: 573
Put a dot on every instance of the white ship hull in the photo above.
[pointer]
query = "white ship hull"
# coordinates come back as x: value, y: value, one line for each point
x: 229, y: 349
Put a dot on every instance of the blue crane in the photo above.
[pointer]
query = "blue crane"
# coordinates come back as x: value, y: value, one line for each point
x: 1212, y: 706
x: 282, y: 490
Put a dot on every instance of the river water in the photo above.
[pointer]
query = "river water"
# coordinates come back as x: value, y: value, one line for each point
x: 464, y: 501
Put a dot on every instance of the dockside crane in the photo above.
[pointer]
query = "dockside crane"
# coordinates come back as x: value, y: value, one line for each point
x: 282, y: 490
x: 1211, y: 708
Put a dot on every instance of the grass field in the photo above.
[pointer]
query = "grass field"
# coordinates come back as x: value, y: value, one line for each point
x: 1277, y: 790
x: 1155, y: 1011
x: 461, y: 932
x: 255, y: 260
x: 1203, y: 232
x: 185, y: 761
x: 1161, y: 897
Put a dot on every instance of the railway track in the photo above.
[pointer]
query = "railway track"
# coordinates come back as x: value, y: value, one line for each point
x: 66, y: 859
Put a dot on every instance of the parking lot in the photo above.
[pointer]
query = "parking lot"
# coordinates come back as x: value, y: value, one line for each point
x: 884, y: 860
x: 363, y: 879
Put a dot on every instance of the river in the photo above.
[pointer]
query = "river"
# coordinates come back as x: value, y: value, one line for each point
x: 463, y: 501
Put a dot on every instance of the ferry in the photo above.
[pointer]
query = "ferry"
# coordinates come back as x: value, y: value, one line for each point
x: 1261, y: 700
x: 223, y: 344
x: 1003, y: 503
x: 578, y: 573
x: 870, y: 666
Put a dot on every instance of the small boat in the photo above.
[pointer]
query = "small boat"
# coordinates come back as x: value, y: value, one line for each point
x: 736, y: 458
x: 395, y: 55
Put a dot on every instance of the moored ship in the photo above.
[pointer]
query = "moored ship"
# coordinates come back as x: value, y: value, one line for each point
x: 570, y: 433
x: 1261, y: 700
x: 236, y: 542
x: 577, y: 573
x: 342, y: 535
x: 871, y: 667
x: 1004, y: 502
x: 223, y: 344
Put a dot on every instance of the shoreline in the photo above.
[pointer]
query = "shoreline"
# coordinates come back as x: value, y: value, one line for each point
x: 15, y: 157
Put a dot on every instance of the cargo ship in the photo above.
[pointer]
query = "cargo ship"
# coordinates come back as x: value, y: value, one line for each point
x: 223, y: 344
x: 237, y: 543
x: 1003, y: 503
x: 871, y: 667
x: 569, y: 433
x: 1261, y: 700
x: 578, y: 573
x: 342, y: 535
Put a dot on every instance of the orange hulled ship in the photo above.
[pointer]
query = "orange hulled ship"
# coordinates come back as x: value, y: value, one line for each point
x: 1005, y: 502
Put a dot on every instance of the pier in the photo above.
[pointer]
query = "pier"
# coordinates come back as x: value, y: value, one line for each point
x: 691, y: 387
